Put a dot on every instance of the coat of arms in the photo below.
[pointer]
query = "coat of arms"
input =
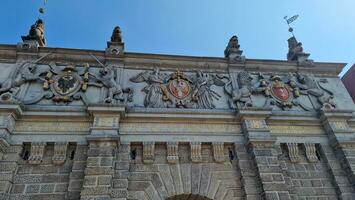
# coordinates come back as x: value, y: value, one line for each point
x: 178, y: 89
x: 279, y: 90
x: 65, y: 84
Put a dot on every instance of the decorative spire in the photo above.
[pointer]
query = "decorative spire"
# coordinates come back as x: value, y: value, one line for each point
x: 232, y: 51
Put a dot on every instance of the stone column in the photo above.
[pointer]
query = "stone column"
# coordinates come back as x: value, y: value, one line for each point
x: 103, y: 142
x: 342, y: 140
x: 9, y: 155
x: 261, y: 147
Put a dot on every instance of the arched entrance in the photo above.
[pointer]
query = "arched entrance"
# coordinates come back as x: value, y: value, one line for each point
x: 188, y: 197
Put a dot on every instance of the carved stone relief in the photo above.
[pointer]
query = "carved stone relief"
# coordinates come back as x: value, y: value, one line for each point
x: 293, y: 152
x: 310, y: 150
x: 195, y: 148
x: 283, y: 91
x: 218, y: 151
x: 148, y: 152
x: 64, y: 84
x: 60, y: 153
x: 36, y: 153
x: 173, y: 154
x: 179, y: 90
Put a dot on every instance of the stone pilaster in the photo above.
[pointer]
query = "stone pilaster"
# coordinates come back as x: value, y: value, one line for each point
x: 120, y: 178
x: 342, y: 139
x: 76, y: 177
x: 261, y: 147
x: 103, y: 142
x: 9, y: 155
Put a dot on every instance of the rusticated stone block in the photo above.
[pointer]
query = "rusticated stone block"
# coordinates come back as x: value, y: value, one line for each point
x: 119, y: 193
x: 104, y: 180
x: 90, y: 181
x: 17, y: 189
x: 120, y: 183
x: 32, y: 188
x: 47, y: 188
x: 92, y: 191
x: 62, y: 187
x: 98, y: 171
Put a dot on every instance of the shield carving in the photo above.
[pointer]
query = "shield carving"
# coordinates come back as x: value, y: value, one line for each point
x: 179, y: 88
x: 66, y: 84
x: 280, y: 92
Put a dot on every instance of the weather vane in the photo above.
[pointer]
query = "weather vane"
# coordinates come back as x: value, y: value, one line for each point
x: 289, y: 21
x: 41, y: 9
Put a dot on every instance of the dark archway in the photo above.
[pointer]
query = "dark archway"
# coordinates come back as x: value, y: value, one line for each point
x: 188, y: 197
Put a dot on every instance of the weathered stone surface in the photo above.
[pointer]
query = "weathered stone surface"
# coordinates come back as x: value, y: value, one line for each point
x: 192, y: 128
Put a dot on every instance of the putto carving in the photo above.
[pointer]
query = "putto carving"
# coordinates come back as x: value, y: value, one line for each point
x: 60, y: 153
x: 311, y: 153
x: 295, y: 52
x: 148, y: 152
x: 293, y: 153
x: 195, y: 148
x: 173, y: 154
x: 218, y: 151
x: 232, y: 51
x: 178, y: 89
x: 36, y: 33
x: 36, y: 153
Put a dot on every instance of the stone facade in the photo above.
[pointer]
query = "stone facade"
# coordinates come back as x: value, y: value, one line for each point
x: 100, y: 125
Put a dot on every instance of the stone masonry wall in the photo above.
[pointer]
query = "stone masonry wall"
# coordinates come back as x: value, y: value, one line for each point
x: 160, y: 180
x: 43, y: 180
x: 308, y: 180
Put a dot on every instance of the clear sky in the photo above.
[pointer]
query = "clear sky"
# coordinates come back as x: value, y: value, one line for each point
x: 191, y: 27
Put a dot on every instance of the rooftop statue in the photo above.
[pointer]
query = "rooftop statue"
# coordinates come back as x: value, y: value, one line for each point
x: 36, y: 33
x: 232, y: 50
x: 296, y: 53
x: 116, y: 35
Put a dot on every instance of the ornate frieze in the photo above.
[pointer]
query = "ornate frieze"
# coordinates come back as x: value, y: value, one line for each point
x: 218, y: 151
x: 173, y: 153
x: 60, y: 153
x: 36, y: 153
x: 195, y: 154
x: 310, y: 150
x: 293, y: 153
x: 283, y: 91
x: 148, y: 152
x: 179, y: 90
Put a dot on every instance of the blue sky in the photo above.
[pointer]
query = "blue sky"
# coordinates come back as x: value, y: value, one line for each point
x: 191, y: 27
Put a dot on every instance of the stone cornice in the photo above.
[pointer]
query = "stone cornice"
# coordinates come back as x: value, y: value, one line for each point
x: 9, y: 53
